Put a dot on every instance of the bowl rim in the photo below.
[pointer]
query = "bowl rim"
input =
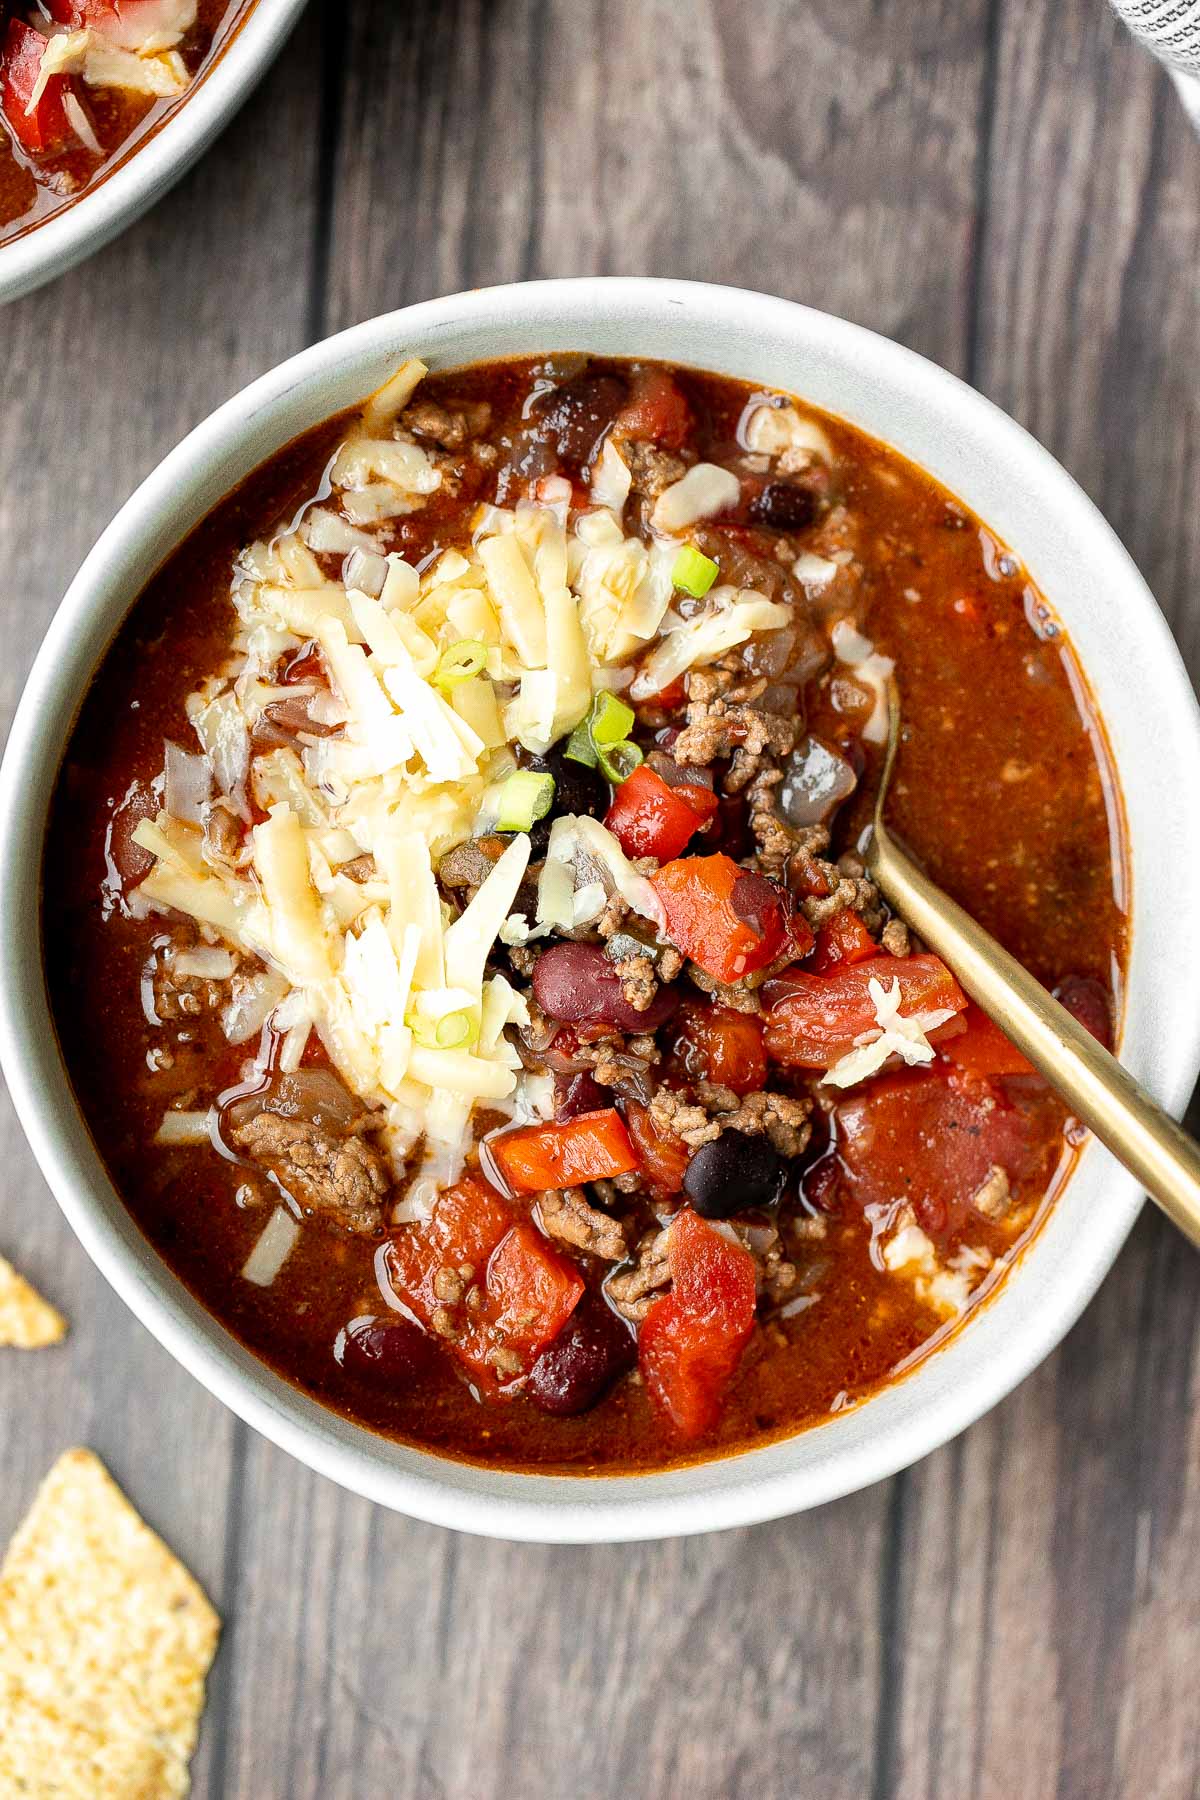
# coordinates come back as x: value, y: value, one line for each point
x: 1011, y: 1334
x: 50, y: 249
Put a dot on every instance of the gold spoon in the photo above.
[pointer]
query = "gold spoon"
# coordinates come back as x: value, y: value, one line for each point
x: 1092, y: 1083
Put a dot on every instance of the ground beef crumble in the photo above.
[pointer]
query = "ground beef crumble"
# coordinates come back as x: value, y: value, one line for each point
x: 340, y: 1175
x: 566, y: 1214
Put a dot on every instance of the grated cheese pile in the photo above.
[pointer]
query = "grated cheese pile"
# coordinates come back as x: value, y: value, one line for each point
x: 385, y: 761
x: 893, y: 1034
x: 135, y: 51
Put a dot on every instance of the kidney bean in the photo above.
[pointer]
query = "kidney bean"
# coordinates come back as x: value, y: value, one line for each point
x: 1087, y: 1001
x: 575, y: 1094
x: 593, y: 1348
x: 577, y: 984
x: 383, y: 1350
x: 575, y: 416
x: 732, y: 1173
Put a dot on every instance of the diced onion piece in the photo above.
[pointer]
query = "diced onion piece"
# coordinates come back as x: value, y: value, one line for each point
x: 525, y: 797
x: 872, y: 669
x: 82, y: 126
x: 772, y: 428
x: 706, y: 489
x: 183, y: 1128
x: 221, y: 728
x: 611, y: 478
x: 366, y: 571
x: 633, y: 888
x: 187, y: 784
x: 273, y: 1248
x: 255, y: 997
x: 693, y: 572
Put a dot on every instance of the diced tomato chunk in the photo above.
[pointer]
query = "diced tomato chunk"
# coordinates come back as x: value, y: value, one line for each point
x: 656, y: 410
x: 728, y: 921
x: 692, y: 1340
x: 983, y: 1049
x: 531, y: 1288
x: 715, y: 1043
x: 934, y: 1140
x: 587, y: 1148
x: 528, y: 1288
x: 46, y: 129
x: 648, y: 817
x: 813, y: 1020
x: 844, y: 939
x: 662, y: 1156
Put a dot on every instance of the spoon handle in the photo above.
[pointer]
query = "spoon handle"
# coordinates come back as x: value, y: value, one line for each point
x: 1094, y: 1085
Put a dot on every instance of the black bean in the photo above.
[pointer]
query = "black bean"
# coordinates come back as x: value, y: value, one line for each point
x: 732, y: 1173
x: 383, y: 1350
x: 784, y: 506
x: 591, y: 1350
x: 577, y: 984
x: 578, y: 791
x: 575, y: 416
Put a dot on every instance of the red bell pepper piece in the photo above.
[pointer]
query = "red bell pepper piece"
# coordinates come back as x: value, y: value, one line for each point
x: 728, y: 921
x: 715, y: 1043
x: 663, y: 1156
x: 691, y: 1341
x: 812, y: 1021
x: 587, y: 1148
x: 46, y: 130
x: 845, y: 939
x: 650, y: 818
x: 528, y: 1288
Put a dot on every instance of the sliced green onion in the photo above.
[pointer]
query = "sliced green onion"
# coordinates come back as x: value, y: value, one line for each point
x: 618, y: 761
x: 525, y: 797
x: 460, y: 662
x: 693, y: 572
x: 453, y: 1031
x: 580, y: 747
x: 611, y: 720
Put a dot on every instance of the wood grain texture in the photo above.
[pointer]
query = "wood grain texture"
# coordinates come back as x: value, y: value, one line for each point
x: 1009, y: 188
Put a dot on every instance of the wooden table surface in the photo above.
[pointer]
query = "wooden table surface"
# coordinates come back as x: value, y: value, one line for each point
x: 1010, y: 187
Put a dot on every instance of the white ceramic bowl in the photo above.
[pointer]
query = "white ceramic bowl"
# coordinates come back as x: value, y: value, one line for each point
x: 1143, y: 694
x: 52, y: 248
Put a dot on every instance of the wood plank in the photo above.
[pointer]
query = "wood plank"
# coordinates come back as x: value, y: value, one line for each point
x: 103, y: 372
x: 1048, y: 1599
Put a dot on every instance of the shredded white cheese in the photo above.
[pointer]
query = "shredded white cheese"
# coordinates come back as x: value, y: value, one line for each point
x: 894, y: 1034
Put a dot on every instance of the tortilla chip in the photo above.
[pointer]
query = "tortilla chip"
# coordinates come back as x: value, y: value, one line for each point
x: 27, y: 1322
x: 105, y: 1641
